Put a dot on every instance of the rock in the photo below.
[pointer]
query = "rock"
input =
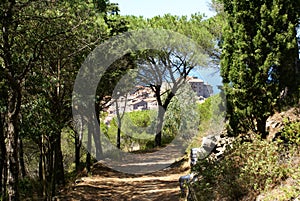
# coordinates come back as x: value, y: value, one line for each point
x: 209, y: 142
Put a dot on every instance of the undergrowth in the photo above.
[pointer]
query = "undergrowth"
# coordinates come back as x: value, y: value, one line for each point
x: 252, y: 168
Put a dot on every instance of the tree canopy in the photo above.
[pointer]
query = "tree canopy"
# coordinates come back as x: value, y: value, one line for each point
x: 258, y: 60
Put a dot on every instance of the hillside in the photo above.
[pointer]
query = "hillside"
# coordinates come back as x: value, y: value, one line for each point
x: 255, y: 169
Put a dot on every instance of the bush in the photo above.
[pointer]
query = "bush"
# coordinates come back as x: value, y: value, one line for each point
x: 246, y: 170
x: 290, y: 134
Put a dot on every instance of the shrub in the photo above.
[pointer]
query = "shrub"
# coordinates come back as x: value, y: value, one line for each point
x: 245, y: 170
x: 290, y: 134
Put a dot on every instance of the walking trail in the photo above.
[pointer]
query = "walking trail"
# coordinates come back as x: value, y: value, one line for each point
x: 106, y: 184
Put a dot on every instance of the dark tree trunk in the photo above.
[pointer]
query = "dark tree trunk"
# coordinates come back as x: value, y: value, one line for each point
x: 49, y: 165
x: 119, y: 136
x: 58, y: 178
x: 11, y: 116
x: 119, y: 118
x: 97, y: 133
x: 89, y: 147
x: 12, y: 161
x: 77, y: 150
x: 42, y: 168
x: 96, y: 136
x: 261, y: 127
x: 22, y: 163
x: 159, y: 126
x: 77, y: 126
x: 161, y: 114
x: 12, y: 151
x: 3, y: 170
x: 50, y: 159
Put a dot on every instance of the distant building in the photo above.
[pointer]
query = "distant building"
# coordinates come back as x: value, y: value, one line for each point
x: 143, y: 98
x: 152, y: 103
x: 140, y: 105
x: 199, y: 87
x: 141, y: 92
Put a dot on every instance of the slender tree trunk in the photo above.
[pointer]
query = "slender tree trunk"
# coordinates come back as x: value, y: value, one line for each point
x: 42, y: 168
x: 49, y: 158
x: 97, y: 133
x: 3, y: 170
x: 48, y: 151
x: 120, y: 117
x: 59, y: 161
x: 22, y: 163
x: 159, y: 126
x: 77, y: 150
x: 4, y: 181
x: 97, y: 141
x: 78, y: 130
x: 89, y: 147
x: 261, y: 127
x: 119, y: 136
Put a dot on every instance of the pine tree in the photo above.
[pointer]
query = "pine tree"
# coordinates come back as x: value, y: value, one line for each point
x: 258, y: 60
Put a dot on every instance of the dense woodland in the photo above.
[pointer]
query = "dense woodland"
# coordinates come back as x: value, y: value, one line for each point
x: 44, y: 43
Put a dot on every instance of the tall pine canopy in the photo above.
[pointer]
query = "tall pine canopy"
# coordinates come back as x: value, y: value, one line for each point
x: 259, y: 60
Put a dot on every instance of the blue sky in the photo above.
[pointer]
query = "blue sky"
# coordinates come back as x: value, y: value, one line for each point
x: 148, y: 9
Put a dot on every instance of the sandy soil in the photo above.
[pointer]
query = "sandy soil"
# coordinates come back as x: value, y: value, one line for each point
x: 107, y: 184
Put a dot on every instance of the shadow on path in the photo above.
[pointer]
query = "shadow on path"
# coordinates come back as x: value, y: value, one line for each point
x: 108, y: 184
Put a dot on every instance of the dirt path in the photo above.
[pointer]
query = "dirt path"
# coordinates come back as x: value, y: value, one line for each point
x: 107, y: 184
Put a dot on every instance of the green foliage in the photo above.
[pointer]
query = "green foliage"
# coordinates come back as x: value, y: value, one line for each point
x: 29, y: 188
x: 205, y: 115
x: 291, y: 133
x: 211, y: 118
x: 171, y: 121
x: 258, y: 60
x: 137, y: 127
x: 247, y: 169
x: 204, y: 110
x: 194, y: 27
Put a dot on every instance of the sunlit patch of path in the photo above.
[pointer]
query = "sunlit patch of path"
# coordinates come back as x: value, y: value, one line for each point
x: 108, y: 184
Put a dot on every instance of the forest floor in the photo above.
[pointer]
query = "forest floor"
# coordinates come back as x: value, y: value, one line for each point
x: 106, y: 184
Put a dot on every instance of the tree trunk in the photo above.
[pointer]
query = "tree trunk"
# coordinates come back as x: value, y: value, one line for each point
x: 78, y: 130
x: 49, y: 158
x: 13, y: 100
x: 3, y: 170
x: 119, y: 136
x: 12, y: 151
x: 97, y: 141
x: 97, y: 132
x: 261, y: 127
x: 77, y: 150
x: 22, y: 163
x: 60, y: 164
x: 12, y: 161
x: 119, y: 118
x: 159, y: 126
x: 42, y: 168
x: 89, y: 148
x: 48, y: 151
x: 58, y: 174
x: 162, y: 107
